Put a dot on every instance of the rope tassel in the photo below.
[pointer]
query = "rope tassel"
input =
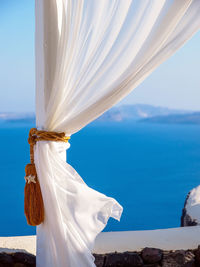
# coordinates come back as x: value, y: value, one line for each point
x: 33, y: 201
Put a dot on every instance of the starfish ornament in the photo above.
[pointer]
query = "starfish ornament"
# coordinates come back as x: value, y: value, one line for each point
x: 30, y: 179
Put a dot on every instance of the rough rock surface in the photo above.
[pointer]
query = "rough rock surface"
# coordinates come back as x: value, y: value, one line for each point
x: 179, y: 258
x: 197, y: 256
x: 148, y: 257
x: 18, y: 259
x: 127, y: 259
x: 152, y: 255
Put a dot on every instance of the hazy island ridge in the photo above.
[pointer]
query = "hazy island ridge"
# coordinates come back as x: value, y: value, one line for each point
x: 137, y: 112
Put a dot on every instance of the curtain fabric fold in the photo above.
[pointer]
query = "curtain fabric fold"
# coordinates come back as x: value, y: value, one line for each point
x: 89, y: 55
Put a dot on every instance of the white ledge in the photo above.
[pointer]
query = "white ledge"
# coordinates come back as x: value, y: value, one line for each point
x: 166, y: 239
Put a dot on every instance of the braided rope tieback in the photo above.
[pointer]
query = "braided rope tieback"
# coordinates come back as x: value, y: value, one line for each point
x: 33, y: 202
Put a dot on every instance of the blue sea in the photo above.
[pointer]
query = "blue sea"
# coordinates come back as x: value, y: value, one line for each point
x: 148, y: 168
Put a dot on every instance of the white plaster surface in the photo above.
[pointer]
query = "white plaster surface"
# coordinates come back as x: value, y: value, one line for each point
x: 167, y: 239
x: 193, y: 204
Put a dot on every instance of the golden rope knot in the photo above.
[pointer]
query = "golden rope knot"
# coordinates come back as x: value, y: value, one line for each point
x: 39, y: 135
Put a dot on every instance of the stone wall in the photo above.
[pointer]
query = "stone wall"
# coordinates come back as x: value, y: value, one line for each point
x: 17, y: 259
x: 148, y: 257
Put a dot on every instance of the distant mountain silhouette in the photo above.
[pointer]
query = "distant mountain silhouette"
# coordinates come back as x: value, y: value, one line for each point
x: 17, y: 117
x: 138, y: 112
x: 190, y: 118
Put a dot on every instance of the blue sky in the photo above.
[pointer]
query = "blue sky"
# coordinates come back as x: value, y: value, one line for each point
x: 175, y: 84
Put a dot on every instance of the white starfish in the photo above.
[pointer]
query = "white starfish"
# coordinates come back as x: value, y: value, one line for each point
x: 30, y: 179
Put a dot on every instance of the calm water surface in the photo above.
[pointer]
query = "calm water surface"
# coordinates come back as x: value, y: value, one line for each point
x: 148, y: 168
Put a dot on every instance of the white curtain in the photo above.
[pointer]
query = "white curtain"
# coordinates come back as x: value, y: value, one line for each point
x: 89, y: 55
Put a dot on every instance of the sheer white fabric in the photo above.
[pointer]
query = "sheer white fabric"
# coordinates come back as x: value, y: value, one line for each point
x: 89, y: 55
